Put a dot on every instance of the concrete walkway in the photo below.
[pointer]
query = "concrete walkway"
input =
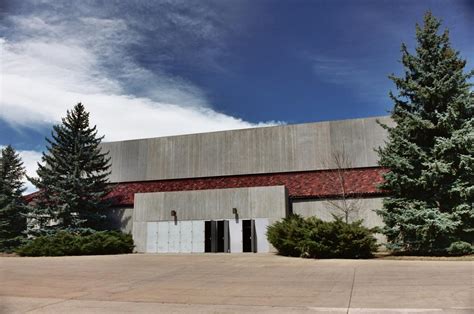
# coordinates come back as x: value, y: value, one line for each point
x: 224, y: 283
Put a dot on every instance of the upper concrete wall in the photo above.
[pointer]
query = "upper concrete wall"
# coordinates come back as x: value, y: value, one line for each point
x: 286, y: 148
x: 255, y: 202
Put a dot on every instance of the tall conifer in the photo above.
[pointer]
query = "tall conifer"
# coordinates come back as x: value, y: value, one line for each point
x: 430, y: 151
x: 72, y: 178
x: 12, y: 206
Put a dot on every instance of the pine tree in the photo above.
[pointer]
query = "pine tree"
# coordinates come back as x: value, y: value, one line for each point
x: 72, y: 179
x: 430, y: 150
x: 12, y: 206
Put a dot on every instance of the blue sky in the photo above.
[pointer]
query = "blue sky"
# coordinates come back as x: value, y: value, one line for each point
x: 152, y: 68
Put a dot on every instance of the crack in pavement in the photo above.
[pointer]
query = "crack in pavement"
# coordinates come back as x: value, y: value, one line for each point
x: 352, y: 290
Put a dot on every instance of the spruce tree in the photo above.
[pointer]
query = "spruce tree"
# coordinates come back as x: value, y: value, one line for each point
x: 72, y: 178
x: 430, y: 150
x: 12, y: 206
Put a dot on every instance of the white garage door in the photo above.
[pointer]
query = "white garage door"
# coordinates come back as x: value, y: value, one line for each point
x: 179, y: 237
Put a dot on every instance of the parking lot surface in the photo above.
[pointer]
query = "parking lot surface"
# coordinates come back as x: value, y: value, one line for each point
x: 228, y: 283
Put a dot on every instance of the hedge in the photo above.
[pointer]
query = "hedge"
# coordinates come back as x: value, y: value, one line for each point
x: 313, y: 238
x: 68, y: 243
x: 460, y: 248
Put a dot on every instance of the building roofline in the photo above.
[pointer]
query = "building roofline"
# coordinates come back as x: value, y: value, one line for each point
x: 250, y: 128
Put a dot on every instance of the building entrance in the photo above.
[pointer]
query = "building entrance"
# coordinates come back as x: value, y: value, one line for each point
x: 212, y: 236
x: 216, y: 236
x: 248, y: 236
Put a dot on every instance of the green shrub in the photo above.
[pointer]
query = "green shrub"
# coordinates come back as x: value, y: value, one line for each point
x: 10, y: 245
x: 314, y: 238
x: 460, y: 248
x: 68, y: 243
x: 285, y: 235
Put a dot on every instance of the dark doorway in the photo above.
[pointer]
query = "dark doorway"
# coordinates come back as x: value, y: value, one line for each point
x: 247, y: 236
x: 226, y: 237
x: 208, y: 236
x: 216, y: 236
x: 220, y: 236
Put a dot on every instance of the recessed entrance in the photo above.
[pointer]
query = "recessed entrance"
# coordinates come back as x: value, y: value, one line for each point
x: 208, y: 236
x: 216, y: 236
x: 248, y: 227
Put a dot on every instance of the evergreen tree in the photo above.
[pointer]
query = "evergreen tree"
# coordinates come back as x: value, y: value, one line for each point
x: 72, y: 179
x: 12, y: 206
x: 430, y: 150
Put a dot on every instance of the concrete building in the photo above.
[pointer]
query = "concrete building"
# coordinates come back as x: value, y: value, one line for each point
x: 218, y: 191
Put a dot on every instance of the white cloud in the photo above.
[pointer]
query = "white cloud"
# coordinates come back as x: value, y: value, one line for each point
x: 40, y: 83
x: 50, y: 62
x: 30, y: 160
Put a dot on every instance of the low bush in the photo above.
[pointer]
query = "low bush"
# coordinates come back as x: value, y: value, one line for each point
x: 460, y: 248
x: 286, y: 235
x: 313, y: 238
x: 10, y: 245
x: 69, y: 243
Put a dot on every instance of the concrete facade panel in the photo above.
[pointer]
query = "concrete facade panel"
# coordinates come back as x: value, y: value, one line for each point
x: 163, y: 233
x: 235, y: 231
x: 174, y: 237
x: 151, y: 237
x: 349, y: 137
x: 311, y: 145
x: 287, y: 148
x: 261, y: 225
x: 139, y: 236
x: 186, y: 237
x: 198, y: 236
x: 258, y: 202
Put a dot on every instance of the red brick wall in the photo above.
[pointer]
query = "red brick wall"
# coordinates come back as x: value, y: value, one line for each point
x: 299, y: 184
